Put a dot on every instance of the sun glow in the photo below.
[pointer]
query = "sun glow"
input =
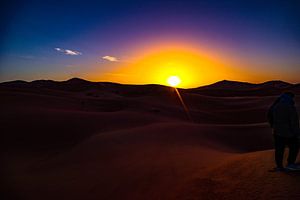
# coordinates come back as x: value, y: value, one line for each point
x: 157, y: 64
x: 173, y: 81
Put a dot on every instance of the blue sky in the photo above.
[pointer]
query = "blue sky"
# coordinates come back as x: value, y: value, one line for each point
x: 61, y: 39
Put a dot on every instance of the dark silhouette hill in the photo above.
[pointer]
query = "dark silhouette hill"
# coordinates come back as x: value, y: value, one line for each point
x: 236, y: 85
x: 235, y: 88
x: 221, y: 88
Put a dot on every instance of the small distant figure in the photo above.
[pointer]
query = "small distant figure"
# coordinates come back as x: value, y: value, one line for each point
x: 284, y: 120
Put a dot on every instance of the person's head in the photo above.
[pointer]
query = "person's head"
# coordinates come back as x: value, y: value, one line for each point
x: 290, y: 94
x: 287, y: 98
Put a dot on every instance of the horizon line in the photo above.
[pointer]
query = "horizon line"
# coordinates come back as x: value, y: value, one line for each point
x: 223, y: 80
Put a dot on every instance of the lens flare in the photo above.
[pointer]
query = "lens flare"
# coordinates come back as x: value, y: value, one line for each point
x: 173, y: 81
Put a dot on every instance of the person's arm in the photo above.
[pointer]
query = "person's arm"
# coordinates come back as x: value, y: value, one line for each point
x: 271, y: 111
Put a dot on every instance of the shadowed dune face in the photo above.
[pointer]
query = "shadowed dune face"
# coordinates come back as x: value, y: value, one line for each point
x: 83, y: 140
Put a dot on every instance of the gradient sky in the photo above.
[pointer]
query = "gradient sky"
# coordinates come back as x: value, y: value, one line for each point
x: 143, y: 42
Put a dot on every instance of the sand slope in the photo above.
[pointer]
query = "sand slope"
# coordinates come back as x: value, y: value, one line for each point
x: 78, y: 140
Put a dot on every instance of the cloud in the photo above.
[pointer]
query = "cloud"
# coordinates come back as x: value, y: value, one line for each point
x: 68, y: 51
x: 110, y: 58
x: 72, y: 53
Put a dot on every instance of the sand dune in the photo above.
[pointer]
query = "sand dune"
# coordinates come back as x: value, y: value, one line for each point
x: 82, y: 140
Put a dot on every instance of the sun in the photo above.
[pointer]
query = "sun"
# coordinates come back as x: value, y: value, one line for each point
x: 174, y: 81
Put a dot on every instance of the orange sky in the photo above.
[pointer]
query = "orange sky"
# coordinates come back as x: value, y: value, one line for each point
x: 194, y: 66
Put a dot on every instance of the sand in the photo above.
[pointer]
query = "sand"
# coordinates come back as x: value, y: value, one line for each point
x: 80, y: 140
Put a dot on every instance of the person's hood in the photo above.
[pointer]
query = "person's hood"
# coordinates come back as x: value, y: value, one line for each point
x: 285, y: 98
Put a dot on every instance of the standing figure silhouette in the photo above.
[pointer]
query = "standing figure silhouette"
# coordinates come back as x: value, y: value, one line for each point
x: 284, y: 120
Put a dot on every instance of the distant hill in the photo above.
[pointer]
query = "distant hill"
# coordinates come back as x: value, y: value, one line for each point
x: 221, y: 88
x: 229, y: 85
x: 236, y: 88
x: 236, y: 85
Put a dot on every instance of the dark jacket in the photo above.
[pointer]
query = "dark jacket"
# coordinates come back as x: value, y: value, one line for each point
x: 285, y: 120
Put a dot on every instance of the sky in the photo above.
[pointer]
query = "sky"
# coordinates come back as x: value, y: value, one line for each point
x: 145, y: 42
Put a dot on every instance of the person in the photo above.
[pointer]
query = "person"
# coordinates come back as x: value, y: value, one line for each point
x: 284, y: 120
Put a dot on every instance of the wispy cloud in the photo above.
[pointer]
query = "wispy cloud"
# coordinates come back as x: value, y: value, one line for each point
x: 68, y: 52
x: 110, y: 58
